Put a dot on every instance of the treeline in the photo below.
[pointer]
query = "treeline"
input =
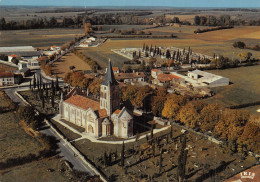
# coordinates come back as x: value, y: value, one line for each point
x: 223, y: 20
x: 139, y: 36
x: 80, y: 20
x: 40, y: 23
x: 78, y: 79
x: 232, y: 126
x: 221, y: 62
x: 212, y: 29
x: 242, y: 45
x: 93, y: 64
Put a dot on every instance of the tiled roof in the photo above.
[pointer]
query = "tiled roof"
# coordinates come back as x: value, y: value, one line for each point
x: 155, y: 70
x: 86, y: 103
x: 13, y: 55
x: 117, y: 111
x: 6, y: 75
x: 129, y: 75
x: 115, y: 68
x: 89, y: 76
x: 166, y: 77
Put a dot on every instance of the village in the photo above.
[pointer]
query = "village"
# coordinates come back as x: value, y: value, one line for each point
x: 139, y: 113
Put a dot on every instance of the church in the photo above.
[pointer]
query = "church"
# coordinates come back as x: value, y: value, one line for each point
x: 100, y: 118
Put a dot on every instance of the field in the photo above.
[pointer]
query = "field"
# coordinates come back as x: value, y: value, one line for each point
x: 218, y: 42
x: 38, y: 37
x: 14, y: 141
x: 62, y: 66
x: 244, y: 88
x: 102, y: 54
x: 36, y: 171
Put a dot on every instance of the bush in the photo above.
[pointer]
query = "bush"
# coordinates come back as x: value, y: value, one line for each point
x: 239, y: 44
x: 26, y: 113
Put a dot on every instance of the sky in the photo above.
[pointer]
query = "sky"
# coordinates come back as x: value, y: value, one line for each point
x: 168, y: 3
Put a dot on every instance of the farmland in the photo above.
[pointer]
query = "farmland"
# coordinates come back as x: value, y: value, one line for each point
x: 244, y: 87
x: 38, y: 37
x: 62, y: 66
x: 200, y: 43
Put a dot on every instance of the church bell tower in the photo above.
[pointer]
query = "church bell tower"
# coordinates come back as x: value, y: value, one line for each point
x: 109, y: 92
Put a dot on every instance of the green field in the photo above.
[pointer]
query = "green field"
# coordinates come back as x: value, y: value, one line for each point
x: 244, y: 87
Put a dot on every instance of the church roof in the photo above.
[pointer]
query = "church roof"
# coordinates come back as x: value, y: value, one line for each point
x: 110, y: 78
x: 86, y: 103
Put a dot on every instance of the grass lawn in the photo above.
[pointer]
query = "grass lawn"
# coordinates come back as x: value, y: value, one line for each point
x: 68, y: 133
x: 37, y: 171
x: 14, y: 141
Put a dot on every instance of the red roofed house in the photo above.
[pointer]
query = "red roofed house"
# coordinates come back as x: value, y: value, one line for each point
x: 100, y: 118
x: 155, y: 72
x: 11, y: 57
x: 165, y: 79
x: 115, y: 70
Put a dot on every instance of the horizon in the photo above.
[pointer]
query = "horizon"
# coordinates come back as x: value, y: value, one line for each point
x: 136, y: 3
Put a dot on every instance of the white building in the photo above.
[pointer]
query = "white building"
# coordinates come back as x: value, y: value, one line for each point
x: 9, y: 79
x: 201, y: 79
x: 100, y: 118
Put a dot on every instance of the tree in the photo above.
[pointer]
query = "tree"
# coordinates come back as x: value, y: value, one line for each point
x: 72, y: 68
x: 57, y: 83
x: 189, y: 115
x: 160, y: 163
x: 182, y: 159
x: 197, y: 20
x: 172, y: 106
x: 2, y: 24
x: 26, y: 113
x: 123, y: 155
x: 157, y: 105
x: 168, y: 54
x: 239, y: 44
x: 251, y: 134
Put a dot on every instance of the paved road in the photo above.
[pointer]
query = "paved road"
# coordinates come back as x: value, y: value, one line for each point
x: 11, y: 93
x: 68, y: 154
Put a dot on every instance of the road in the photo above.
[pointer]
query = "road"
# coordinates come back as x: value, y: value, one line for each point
x: 65, y: 151
x: 68, y: 154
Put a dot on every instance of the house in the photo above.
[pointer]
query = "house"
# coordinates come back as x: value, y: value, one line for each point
x: 24, y: 72
x: 84, y: 44
x: 11, y: 57
x: 155, y: 72
x: 130, y: 77
x: 115, y: 70
x: 92, y: 38
x: 55, y: 48
x: 165, y: 79
x: 100, y: 118
x: 9, y: 79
